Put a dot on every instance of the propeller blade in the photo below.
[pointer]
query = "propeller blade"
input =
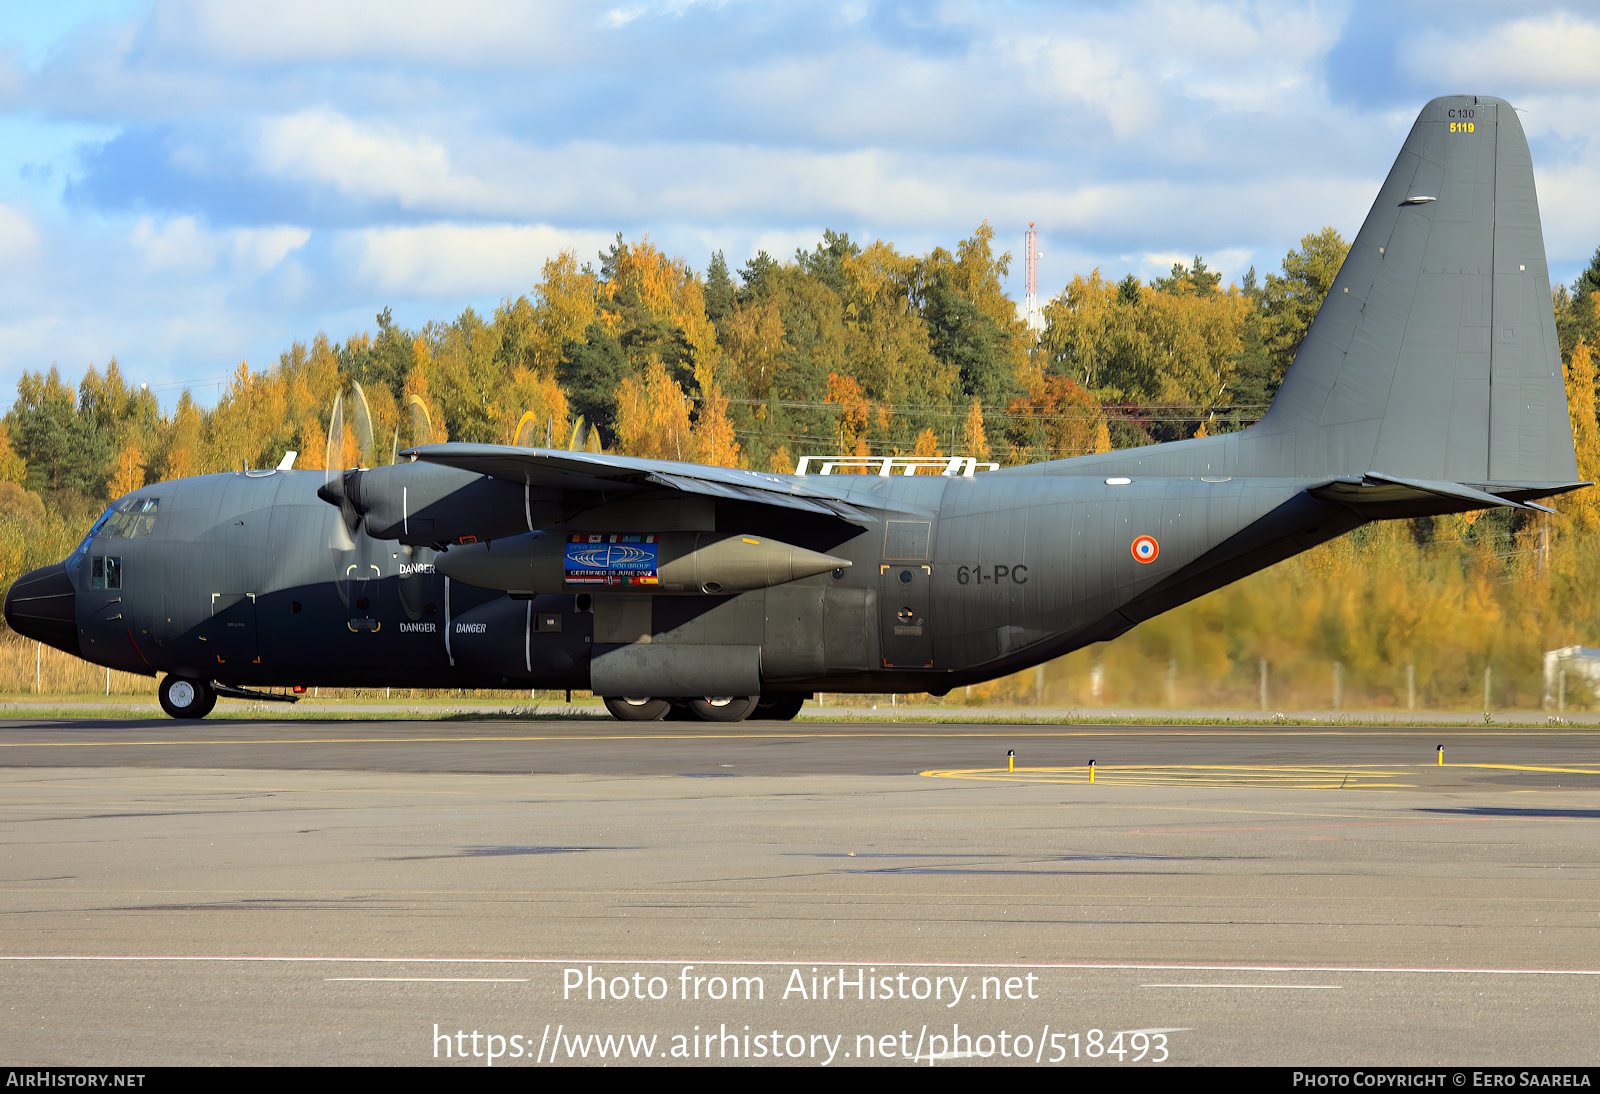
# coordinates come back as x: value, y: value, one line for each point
x: 334, y: 489
x: 421, y: 426
x: 522, y: 425
x: 333, y: 463
x: 361, y: 420
x: 394, y: 447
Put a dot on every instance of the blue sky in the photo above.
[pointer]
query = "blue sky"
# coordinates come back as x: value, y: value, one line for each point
x: 188, y: 184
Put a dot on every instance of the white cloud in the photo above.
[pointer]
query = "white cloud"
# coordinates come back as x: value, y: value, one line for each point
x: 364, y: 161
x: 257, y: 250
x: 183, y: 245
x: 450, y: 149
x: 455, y: 261
x: 479, y: 176
x: 621, y: 17
x: 18, y: 239
x: 1569, y: 212
x: 463, y: 32
x: 1554, y: 51
x: 176, y: 244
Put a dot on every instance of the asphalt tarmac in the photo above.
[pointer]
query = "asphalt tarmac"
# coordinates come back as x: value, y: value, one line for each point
x: 338, y: 892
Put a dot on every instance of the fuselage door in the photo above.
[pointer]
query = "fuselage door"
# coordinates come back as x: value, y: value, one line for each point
x: 231, y: 631
x: 905, y: 599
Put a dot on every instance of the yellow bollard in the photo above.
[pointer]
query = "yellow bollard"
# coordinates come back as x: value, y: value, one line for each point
x: 1441, y: 755
x: 1011, y: 759
x: 1091, y: 772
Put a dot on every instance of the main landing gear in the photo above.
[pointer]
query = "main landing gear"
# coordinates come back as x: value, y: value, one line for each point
x: 185, y: 697
x: 715, y: 708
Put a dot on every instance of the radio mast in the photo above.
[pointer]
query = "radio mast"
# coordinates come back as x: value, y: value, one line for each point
x: 1030, y: 302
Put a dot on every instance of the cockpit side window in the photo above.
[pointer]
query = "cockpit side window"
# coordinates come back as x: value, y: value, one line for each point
x: 105, y: 572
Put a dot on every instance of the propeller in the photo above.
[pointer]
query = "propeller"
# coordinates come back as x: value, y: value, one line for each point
x: 337, y: 483
x: 361, y: 422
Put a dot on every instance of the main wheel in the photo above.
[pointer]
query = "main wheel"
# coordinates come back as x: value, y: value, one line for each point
x: 783, y: 706
x: 183, y: 697
x: 636, y: 710
x: 723, y: 708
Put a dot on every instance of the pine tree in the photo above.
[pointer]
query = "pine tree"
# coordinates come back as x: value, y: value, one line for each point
x: 719, y: 289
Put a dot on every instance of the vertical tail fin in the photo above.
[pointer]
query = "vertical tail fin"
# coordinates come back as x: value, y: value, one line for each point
x: 1435, y: 355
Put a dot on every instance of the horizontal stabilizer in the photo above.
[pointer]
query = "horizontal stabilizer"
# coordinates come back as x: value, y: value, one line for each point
x: 1377, y: 489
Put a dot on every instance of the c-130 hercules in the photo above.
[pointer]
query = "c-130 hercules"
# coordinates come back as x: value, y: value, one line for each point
x: 1430, y: 382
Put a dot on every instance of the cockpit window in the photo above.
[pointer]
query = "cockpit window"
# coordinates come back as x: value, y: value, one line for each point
x: 83, y: 547
x: 132, y: 518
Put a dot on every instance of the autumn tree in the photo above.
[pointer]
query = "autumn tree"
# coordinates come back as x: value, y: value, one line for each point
x: 653, y: 416
x: 1291, y: 301
x: 1582, y: 507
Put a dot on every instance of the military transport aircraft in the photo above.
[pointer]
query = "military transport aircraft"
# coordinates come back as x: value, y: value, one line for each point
x: 1429, y: 383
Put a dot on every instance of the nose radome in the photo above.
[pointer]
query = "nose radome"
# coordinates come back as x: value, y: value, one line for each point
x: 43, y: 606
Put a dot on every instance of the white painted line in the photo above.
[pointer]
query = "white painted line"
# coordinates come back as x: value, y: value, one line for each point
x: 1295, y: 987
x: 422, y: 980
x: 1100, y: 966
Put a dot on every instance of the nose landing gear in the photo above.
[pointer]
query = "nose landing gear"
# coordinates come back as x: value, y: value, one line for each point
x: 184, y: 697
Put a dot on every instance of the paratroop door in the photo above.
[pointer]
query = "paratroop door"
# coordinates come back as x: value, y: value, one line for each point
x: 905, y: 595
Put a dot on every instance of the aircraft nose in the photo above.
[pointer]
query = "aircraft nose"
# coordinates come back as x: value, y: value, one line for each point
x: 42, y: 605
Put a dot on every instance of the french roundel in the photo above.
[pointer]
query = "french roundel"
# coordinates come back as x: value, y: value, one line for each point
x: 1145, y: 549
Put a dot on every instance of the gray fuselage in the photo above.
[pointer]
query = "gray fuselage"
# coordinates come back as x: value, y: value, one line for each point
x: 246, y: 578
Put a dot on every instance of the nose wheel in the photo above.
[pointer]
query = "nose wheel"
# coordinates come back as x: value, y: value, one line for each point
x: 185, y: 697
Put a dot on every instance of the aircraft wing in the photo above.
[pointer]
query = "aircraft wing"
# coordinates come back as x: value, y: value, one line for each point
x: 562, y: 470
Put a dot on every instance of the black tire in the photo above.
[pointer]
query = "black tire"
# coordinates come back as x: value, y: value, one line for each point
x: 781, y: 707
x: 636, y: 710
x: 723, y: 708
x: 678, y: 711
x: 185, y: 697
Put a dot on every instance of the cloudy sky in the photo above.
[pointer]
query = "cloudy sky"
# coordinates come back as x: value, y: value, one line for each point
x: 185, y: 184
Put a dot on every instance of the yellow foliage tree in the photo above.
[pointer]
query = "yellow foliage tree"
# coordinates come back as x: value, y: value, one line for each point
x: 927, y: 448
x: 973, y: 440
x: 712, y: 438
x: 1067, y: 419
x: 653, y: 416
x: 753, y: 339
x: 890, y: 353
x: 431, y: 428
x: 127, y: 471
x: 855, y: 412
x: 647, y: 281
x: 12, y: 466
x: 1582, y: 507
x: 536, y: 394
x: 564, y: 306
x: 1165, y: 348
